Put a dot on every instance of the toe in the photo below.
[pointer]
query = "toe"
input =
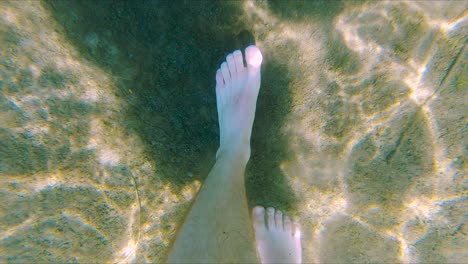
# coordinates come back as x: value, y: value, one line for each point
x: 271, y: 217
x: 231, y: 65
x: 258, y: 215
x: 253, y: 57
x: 287, y: 225
x: 296, y: 231
x: 279, y: 219
x: 225, y: 72
x: 219, y: 79
x: 239, y: 61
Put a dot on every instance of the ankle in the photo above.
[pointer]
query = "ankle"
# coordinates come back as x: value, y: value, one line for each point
x: 240, y: 152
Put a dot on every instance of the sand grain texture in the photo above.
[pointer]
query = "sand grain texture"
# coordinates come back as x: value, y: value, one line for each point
x: 108, y: 125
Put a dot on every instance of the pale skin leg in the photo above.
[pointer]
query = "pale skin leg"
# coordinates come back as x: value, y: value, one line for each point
x: 218, y: 227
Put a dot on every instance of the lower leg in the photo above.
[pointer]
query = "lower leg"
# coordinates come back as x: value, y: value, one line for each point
x: 218, y: 228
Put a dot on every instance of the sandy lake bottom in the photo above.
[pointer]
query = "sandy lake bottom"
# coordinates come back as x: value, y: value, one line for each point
x: 108, y: 125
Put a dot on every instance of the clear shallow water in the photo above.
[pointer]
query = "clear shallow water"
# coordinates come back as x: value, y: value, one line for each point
x: 109, y: 125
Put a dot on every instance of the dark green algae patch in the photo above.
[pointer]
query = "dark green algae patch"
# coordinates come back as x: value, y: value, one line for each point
x: 164, y: 70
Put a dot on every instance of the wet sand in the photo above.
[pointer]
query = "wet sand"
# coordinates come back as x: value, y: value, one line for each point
x: 109, y: 125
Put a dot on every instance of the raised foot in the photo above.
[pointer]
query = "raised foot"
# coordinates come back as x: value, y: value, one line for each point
x: 237, y: 87
x: 278, y: 238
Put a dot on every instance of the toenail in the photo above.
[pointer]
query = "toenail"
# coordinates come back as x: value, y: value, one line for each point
x: 260, y: 211
x: 255, y: 56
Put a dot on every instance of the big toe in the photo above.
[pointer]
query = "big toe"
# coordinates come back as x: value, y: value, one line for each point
x: 253, y: 57
x: 258, y: 215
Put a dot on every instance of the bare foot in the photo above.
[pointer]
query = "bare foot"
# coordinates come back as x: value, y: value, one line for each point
x: 237, y: 88
x: 278, y: 239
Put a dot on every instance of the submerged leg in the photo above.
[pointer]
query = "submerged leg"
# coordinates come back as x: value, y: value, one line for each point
x: 218, y: 227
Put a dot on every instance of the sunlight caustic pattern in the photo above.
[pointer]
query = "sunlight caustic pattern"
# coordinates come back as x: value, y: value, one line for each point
x: 391, y: 131
x: 376, y: 127
x: 71, y: 178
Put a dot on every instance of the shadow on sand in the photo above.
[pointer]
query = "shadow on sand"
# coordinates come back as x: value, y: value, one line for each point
x: 163, y: 56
